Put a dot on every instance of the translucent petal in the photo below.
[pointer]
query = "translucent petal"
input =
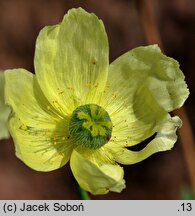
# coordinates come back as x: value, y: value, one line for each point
x: 71, y: 60
x: 143, y: 86
x: 97, y: 179
x: 39, y: 133
x: 163, y: 141
x: 4, y: 110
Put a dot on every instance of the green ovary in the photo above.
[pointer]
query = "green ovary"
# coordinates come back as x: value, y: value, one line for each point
x: 90, y: 126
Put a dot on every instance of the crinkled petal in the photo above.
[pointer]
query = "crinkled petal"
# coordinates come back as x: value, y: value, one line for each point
x: 39, y: 133
x: 4, y: 110
x: 97, y: 179
x: 163, y: 141
x: 71, y: 60
x: 143, y: 86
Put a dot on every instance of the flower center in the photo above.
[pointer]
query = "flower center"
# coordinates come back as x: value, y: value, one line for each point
x: 90, y: 126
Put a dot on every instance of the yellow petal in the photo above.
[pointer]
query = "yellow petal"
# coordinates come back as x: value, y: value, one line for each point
x: 26, y: 99
x: 71, y: 60
x: 40, y: 149
x: 143, y: 86
x: 163, y: 141
x: 40, y: 135
x: 97, y: 179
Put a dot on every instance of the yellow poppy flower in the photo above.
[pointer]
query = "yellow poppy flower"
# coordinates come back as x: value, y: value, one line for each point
x: 77, y: 107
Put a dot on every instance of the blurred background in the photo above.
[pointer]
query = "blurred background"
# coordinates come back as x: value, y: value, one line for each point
x: 163, y: 175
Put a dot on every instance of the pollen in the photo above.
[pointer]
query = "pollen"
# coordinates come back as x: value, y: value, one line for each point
x: 61, y: 92
x: 94, y: 61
